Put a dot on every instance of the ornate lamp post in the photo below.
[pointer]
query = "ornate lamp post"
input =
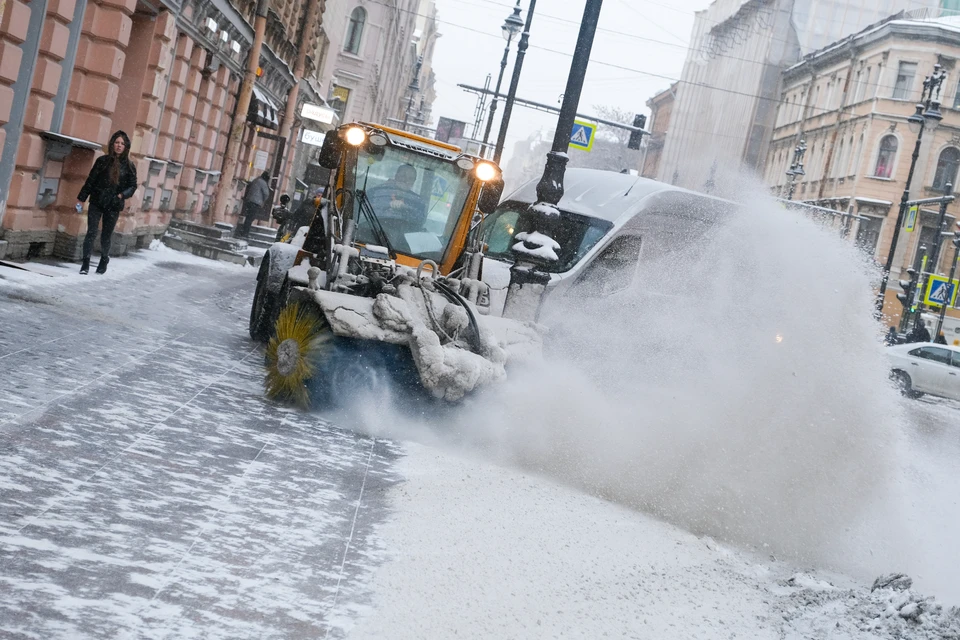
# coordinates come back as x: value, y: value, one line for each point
x: 514, y: 81
x: 414, y: 89
x: 534, y: 250
x: 928, y: 109
x: 511, y: 27
x: 796, y: 169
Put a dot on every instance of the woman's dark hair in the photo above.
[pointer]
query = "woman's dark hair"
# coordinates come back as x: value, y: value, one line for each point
x: 115, y: 160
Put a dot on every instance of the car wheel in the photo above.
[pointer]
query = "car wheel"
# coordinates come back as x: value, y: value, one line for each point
x: 261, y: 311
x: 905, y: 384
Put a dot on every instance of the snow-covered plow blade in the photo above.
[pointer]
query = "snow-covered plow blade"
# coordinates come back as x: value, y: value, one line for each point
x: 330, y: 346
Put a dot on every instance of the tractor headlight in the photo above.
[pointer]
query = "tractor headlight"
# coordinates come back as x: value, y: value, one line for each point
x: 355, y: 136
x: 485, y: 171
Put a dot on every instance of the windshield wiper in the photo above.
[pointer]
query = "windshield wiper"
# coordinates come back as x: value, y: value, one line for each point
x: 367, y: 209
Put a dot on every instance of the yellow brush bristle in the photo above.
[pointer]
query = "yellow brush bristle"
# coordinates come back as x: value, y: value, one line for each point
x: 311, y: 333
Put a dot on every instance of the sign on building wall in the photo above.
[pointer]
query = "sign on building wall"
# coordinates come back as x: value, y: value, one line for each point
x: 449, y: 129
x: 309, y: 136
x: 318, y: 113
x: 260, y: 160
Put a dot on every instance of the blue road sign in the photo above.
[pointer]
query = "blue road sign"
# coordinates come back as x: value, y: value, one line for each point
x: 581, y: 137
x: 940, y: 292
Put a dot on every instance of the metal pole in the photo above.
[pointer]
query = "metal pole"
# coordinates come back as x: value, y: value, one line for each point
x: 550, y: 187
x: 935, y: 258
x: 514, y: 82
x: 953, y: 271
x: 229, y: 168
x: 493, y: 103
x: 528, y: 280
x: 901, y: 213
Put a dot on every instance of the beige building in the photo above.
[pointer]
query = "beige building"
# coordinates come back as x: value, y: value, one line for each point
x: 661, y: 108
x: 850, y: 102
x: 729, y: 89
x: 371, y: 51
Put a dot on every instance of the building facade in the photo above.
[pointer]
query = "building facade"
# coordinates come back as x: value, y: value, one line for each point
x: 730, y: 86
x: 661, y: 108
x: 373, y: 52
x: 168, y: 73
x: 849, y: 103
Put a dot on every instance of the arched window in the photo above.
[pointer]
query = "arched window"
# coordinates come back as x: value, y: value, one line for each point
x: 355, y: 31
x: 947, y: 169
x: 886, y: 157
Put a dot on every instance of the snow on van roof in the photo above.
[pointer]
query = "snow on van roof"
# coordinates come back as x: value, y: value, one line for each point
x: 602, y: 194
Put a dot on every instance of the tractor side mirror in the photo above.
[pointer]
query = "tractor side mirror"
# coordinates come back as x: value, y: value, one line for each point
x: 490, y: 196
x: 329, y: 157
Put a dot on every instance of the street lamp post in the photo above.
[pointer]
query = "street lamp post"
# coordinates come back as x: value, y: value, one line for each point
x: 953, y: 271
x: 796, y: 169
x: 414, y: 89
x: 536, y: 248
x: 514, y: 82
x: 511, y: 27
x: 927, y: 109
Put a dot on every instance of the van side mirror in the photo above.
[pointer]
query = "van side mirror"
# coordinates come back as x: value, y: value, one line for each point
x: 490, y: 196
x: 329, y: 157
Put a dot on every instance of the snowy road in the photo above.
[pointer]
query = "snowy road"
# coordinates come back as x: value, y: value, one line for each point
x: 147, y: 490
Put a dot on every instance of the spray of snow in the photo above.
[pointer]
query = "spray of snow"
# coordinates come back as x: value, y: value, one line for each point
x: 738, y: 390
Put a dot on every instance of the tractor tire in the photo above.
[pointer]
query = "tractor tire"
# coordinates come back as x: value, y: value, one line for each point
x: 262, y: 314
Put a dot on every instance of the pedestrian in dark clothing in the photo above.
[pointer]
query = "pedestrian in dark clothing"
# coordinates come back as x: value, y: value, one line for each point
x: 257, y: 193
x: 941, y: 339
x: 112, y: 181
x: 303, y: 215
x: 920, y: 333
x: 891, y: 338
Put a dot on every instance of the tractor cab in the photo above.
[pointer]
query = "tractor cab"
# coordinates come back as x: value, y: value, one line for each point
x: 405, y: 196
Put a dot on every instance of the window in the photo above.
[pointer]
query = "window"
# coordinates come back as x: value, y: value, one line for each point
x: 614, y: 269
x: 947, y: 169
x: 838, y: 164
x: 886, y: 157
x: 904, y: 85
x: 955, y: 362
x: 341, y: 95
x: 936, y: 354
x: 576, y: 234
x: 868, y: 233
x: 956, y: 97
x: 355, y: 31
x: 855, y: 157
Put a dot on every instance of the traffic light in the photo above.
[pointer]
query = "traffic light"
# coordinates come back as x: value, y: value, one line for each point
x: 639, y: 121
x: 909, y: 288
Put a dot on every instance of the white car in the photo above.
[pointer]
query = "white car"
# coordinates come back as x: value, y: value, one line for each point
x: 925, y: 367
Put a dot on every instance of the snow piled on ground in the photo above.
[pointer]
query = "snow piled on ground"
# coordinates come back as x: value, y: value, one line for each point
x: 481, y: 551
x: 50, y: 272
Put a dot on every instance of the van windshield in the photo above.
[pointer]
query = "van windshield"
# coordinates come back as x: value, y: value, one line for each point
x: 576, y: 234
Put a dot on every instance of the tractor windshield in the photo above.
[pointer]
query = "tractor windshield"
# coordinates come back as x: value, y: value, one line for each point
x: 415, y: 200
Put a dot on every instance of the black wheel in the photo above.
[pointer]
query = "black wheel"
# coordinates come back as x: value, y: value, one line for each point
x: 262, y: 309
x: 905, y: 384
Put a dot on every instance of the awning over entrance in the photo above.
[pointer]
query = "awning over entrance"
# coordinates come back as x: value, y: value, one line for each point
x: 263, y: 112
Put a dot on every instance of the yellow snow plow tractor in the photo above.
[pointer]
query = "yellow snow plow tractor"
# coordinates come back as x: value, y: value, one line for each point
x: 385, y: 282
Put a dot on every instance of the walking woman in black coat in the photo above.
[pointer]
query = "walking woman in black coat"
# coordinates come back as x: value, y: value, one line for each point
x: 112, y: 180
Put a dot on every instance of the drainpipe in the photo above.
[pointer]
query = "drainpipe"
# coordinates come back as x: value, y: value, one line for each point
x: 229, y: 169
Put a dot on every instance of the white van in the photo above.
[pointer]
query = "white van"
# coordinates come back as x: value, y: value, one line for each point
x: 609, y: 221
x: 951, y: 328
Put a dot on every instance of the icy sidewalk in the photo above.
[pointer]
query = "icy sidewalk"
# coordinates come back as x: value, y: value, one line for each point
x: 480, y: 551
x: 147, y: 489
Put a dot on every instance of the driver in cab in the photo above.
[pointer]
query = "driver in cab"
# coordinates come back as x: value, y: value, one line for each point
x: 395, y: 199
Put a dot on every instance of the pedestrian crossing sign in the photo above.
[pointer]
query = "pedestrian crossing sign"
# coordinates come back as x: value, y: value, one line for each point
x: 911, y: 218
x: 582, y: 135
x: 939, y: 291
